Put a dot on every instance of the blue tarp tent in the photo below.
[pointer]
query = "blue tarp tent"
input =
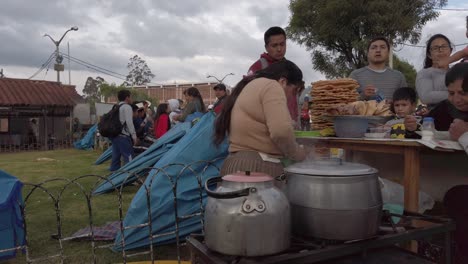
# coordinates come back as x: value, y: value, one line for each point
x: 106, y: 155
x: 195, y: 146
x: 87, y: 142
x: 11, y: 220
x: 144, y: 161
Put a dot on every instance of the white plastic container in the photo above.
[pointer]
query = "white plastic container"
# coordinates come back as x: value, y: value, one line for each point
x: 427, y: 129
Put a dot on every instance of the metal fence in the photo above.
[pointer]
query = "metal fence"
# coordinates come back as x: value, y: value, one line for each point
x: 50, y: 145
x: 55, y: 196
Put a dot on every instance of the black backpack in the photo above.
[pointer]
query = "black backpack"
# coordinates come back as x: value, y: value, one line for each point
x: 110, y: 125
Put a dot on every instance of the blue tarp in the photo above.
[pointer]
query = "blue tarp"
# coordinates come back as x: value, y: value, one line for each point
x: 87, y: 142
x: 106, y: 155
x: 144, y: 161
x: 195, y: 146
x: 11, y: 220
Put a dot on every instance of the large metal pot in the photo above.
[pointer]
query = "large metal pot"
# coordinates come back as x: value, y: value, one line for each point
x: 247, y: 216
x: 334, y: 200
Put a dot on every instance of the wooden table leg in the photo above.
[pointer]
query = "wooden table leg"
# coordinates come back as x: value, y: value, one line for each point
x: 411, y: 178
x: 411, y: 184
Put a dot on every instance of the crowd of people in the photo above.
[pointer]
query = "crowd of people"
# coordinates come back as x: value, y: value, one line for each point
x: 261, y: 113
x: 142, y: 126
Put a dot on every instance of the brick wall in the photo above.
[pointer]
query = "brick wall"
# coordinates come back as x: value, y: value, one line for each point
x: 173, y: 91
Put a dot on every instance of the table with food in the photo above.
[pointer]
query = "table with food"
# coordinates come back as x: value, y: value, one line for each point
x: 369, y: 132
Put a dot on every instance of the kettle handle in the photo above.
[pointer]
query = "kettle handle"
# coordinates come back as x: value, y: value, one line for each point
x: 225, y: 195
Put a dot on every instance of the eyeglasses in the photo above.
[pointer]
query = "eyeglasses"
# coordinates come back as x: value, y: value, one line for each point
x: 439, y: 48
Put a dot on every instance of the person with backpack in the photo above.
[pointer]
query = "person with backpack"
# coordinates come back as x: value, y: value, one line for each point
x: 122, y: 144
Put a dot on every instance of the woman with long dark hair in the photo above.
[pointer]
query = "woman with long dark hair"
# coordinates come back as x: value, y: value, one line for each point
x: 194, y: 104
x: 256, y: 118
x: 161, y: 122
x: 430, y: 81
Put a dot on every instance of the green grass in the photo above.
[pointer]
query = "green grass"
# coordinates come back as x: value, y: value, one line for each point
x: 37, y: 167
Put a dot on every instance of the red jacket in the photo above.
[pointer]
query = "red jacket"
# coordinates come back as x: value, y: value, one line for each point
x: 162, y: 125
x: 264, y: 61
x: 218, y: 106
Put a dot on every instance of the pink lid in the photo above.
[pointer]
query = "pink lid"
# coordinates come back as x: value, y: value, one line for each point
x: 248, y: 177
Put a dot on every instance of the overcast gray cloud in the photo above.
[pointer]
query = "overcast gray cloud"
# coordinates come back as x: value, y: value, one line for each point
x: 181, y: 40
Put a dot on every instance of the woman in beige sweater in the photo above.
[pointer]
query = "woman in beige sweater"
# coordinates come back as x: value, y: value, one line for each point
x: 256, y: 119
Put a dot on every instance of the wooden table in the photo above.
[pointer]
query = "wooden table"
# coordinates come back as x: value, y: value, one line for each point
x: 410, y: 149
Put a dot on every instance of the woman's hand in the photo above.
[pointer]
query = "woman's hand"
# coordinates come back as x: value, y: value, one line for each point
x: 370, y: 91
x: 458, y: 128
x: 443, y: 63
x: 411, y: 123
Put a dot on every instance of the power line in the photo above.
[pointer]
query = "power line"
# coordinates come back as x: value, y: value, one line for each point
x: 420, y: 46
x: 95, y: 68
x: 88, y: 63
x: 44, y: 65
x: 452, y: 9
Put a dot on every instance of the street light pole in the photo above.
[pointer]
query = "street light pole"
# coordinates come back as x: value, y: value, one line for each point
x: 220, y: 81
x: 58, y: 58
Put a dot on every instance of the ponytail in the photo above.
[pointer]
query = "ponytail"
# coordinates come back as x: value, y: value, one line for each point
x: 223, y: 121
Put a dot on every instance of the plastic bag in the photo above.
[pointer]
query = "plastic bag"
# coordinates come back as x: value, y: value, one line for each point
x: 393, y: 193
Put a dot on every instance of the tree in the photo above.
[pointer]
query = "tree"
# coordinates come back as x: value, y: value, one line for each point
x: 111, y: 90
x: 407, y: 69
x: 337, y: 31
x: 108, y: 90
x: 91, y: 88
x: 91, y: 91
x: 139, y: 72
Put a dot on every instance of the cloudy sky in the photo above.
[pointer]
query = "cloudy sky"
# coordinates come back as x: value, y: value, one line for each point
x: 181, y: 40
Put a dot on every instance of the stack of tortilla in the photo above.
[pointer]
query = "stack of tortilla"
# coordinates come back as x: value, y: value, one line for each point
x: 328, y: 93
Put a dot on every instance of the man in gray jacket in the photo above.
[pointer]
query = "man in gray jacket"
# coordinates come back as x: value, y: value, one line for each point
x: 376, y: 80
x: 122, y: 145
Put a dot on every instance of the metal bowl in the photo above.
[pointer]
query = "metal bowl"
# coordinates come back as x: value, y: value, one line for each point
x: 355, y: 126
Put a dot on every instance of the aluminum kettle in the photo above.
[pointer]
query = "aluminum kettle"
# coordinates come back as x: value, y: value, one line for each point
x: 246, y: 216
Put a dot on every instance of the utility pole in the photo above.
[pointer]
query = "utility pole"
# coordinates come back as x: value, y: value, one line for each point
x: 58, y: 58
x: 69, y: 68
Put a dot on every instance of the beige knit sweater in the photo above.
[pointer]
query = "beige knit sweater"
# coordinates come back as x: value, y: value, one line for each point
x: 260, y: 121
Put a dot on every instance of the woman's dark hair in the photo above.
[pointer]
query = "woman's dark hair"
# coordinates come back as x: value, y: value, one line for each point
x: 282, y: 69
x: 162, y: 109
x: 192, y: 91
x: 458, y: 72
x: 427, y: 60
x: 465, y: 82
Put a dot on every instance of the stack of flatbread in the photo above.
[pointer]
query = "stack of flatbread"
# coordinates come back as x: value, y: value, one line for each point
x: 326, y: 94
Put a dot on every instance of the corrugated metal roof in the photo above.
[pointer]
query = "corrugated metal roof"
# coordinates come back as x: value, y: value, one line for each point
x: 16, y: 92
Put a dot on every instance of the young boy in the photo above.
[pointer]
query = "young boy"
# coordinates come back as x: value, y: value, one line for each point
x: 404, y: 103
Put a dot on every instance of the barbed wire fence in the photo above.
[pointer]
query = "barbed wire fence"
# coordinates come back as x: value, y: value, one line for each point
x: 55, y: 196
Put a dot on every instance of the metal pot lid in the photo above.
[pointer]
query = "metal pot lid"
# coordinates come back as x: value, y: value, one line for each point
x: 247, y: 177
x: 332, y: 167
